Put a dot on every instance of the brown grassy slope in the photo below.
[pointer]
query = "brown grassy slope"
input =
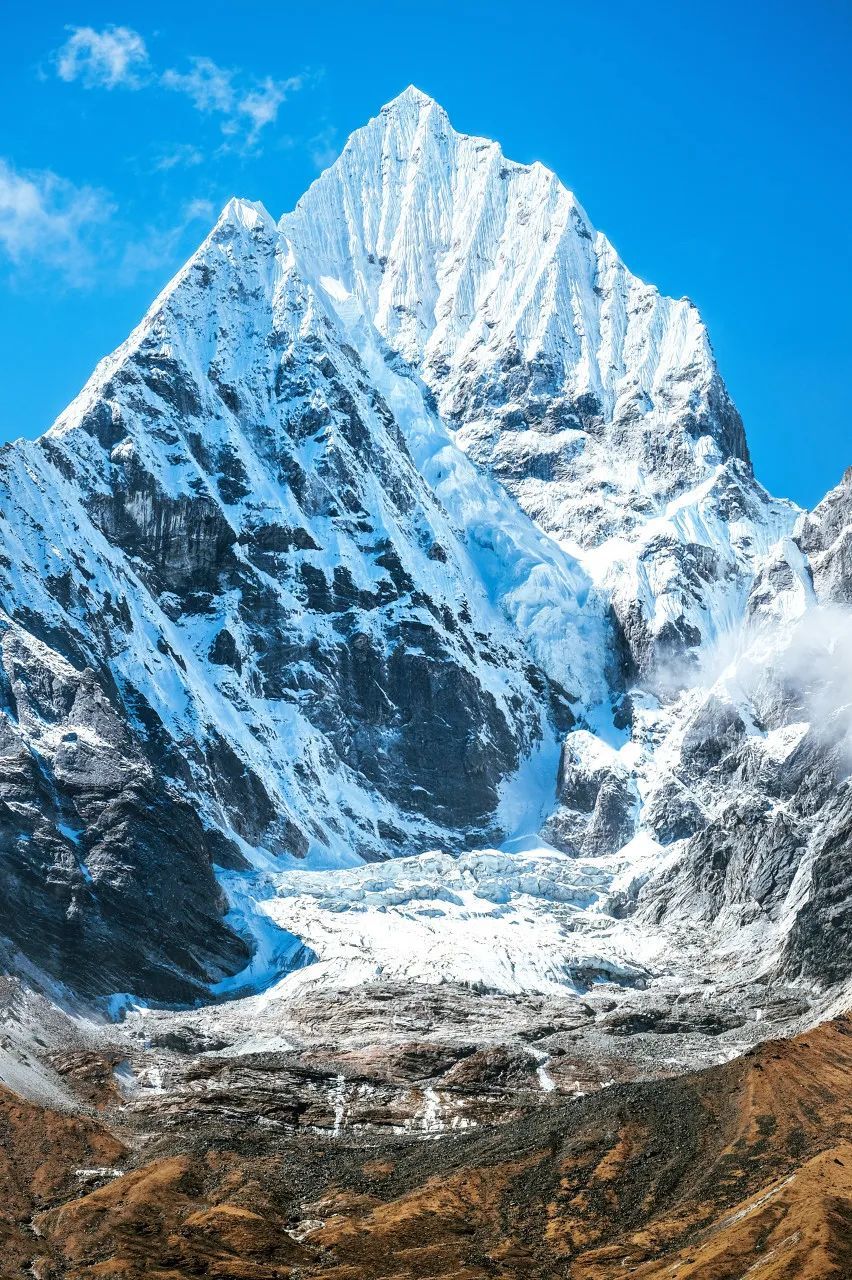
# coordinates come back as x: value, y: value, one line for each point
x: 747, y: 1165
x: 41, y: 1152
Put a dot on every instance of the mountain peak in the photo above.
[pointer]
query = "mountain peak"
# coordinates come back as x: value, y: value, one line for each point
x: 410, y: 98
x: 248, y: 213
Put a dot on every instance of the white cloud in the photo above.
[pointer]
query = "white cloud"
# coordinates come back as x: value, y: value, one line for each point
x: 208, y: 86
x: 103, y: 59
x: 45, y: 219
x: 816, y: 661
x: 244, y: 109
x: 159, y: 247
x: 184, y: 155
x: 117, y: 55
x: 260, y: 106
x: 198, y: 209
x: 324, y: 147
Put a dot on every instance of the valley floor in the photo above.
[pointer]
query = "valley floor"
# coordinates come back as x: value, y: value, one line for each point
x: 740, y: 1169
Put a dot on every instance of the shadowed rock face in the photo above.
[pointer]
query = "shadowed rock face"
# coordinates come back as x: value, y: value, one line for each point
x: 87, y: 835
x: 701, y: 1176
x: 819, y: 946
x: 825, y: 535
x: 596, y: 810
x: 754, y: 827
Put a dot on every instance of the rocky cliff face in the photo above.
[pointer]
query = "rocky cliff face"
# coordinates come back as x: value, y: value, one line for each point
x: 825, y: 536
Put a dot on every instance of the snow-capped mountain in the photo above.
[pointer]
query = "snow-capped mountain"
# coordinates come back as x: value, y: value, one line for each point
x: 594, y: 399
x: 376, y: 505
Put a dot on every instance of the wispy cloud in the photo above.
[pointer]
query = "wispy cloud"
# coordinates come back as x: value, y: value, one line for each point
x: 158, y: 246
x: 44, y: 219
x: 182, y: 156
x: 208, y: 86
x: 75, y: 232
x: 260, y: 106
x: 324, y: 147
x: 198, y: 208
x: 244, y: 107
x: 116, y: 56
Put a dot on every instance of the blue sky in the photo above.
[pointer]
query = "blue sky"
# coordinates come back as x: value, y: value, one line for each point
x: 710, y: 142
